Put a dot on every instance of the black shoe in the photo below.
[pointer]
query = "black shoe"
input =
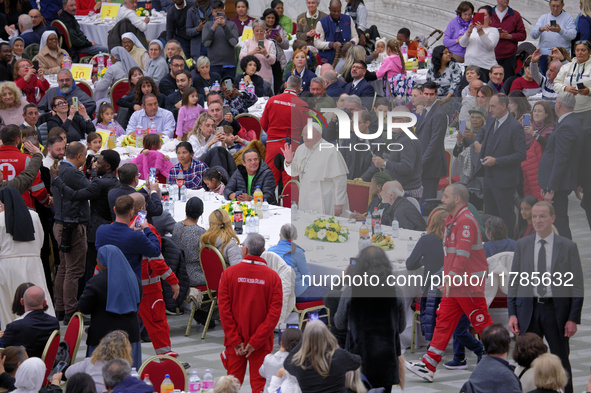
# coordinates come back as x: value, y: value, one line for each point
x: 60, y: 315
x: 145, y: 337
x: 67, y: 318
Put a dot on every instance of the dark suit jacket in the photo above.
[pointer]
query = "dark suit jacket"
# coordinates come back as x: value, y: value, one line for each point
x: 363, y: 89
x: 67, y: 209
x: 153, y: 202
x: 507, y: 146
x: 32, y: 332
x: 568, y: 300
x: 407, y: 215
x: 431, y: 129
x: 335, y: 90
x: 558, y: 166
x: 585, y: 168
x: 31, y: 38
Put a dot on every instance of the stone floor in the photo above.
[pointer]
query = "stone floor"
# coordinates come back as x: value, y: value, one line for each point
x: 202, y: 354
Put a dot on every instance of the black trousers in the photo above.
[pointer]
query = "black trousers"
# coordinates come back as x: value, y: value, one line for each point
x: 544, y: 324
x: 509, y: 64
x: 429, y: 188
x: 499, y: 202
x: 561, y: 211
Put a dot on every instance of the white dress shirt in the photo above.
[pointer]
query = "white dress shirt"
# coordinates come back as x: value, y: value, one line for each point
x: 164, y: 121
x: 548, y: 246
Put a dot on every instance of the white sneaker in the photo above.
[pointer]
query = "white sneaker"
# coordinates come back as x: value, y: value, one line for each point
x: 419, y: 369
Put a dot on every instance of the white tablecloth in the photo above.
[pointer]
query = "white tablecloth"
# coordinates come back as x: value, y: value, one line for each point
x: 100, y: 32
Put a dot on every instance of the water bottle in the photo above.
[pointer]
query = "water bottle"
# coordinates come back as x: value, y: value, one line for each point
x: 134, y: 373
x: 173, y: 190
x: 216, y: 86
x: 194, y: 383
x: 294, y: 210
x: 364, y: 239
x: 183, y: 193
x: 256, y: 222
x: 242, y: 85
x: 266, y: 209
x: 147, y: 380
x: 410, y: 245
x: 250, y: 88
x: 429, y: 58
x: 404, y: 50
x: 167, y: 386
x: 247, y: 225
x: 207, y: 386
x: 395, y: 228
x: 100, y: 62
x: 109, y: 63
x: 376, y: 221
x: 152, y: 127
x: 139, y: 136
x: 67, y: 62
x: 111, y: 139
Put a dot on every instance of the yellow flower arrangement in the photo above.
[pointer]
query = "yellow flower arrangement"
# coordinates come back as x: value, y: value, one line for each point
x: 327, y: 230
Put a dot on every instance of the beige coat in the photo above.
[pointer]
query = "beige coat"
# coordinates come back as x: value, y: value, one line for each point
x: 48, y: 62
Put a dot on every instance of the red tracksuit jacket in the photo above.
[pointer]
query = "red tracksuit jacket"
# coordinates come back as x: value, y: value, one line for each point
x: 284, y: 112
x: 250, y: 299
x: 12, y: 163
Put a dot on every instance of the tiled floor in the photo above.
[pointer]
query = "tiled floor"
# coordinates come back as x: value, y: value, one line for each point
x: 202, y: 354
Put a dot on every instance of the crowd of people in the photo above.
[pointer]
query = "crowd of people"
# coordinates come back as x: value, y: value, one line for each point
x: 79, y: 233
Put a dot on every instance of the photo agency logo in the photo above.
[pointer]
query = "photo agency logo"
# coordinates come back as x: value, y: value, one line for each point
x: 378, y: 141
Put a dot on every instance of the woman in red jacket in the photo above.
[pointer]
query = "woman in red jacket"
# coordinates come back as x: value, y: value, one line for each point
x: 28, y: 82
x: 541, y: 125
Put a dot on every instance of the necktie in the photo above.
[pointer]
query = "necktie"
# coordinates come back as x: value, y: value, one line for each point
x: 496, y: 127
x: 542, y: 266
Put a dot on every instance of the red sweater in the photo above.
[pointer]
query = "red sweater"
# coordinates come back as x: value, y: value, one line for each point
x: 512, y: 24
x: 284, y: 112
x: 250, y: 298
x: 29, y: 87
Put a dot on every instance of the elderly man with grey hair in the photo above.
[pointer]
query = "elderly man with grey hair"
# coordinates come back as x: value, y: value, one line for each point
x: 334, y: 86
x: 117, y: 376
x: 68, y: 89
x: 558, y: 171
x: 545, y: 82
x: 250, y: 299
x: 400, y: 208
x: 320, y: 98
x: 25, y: 26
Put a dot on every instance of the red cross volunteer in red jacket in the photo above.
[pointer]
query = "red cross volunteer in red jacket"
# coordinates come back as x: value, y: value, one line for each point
x: 465, y: 263
x: 250, y: 299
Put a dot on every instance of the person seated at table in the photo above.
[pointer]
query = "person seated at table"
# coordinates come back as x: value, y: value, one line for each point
x: 221, y: 235
x: 156, y: 68
x: 38, y: 22
x: 215, y: 104
x: 50, y: 54
x: 203, y: 137
x: 105, y: 117
x: 266, y: 54
x: 375, y: 190
x: 496, y: 232
x: 25, y: 26
x: 76, y: 122
x: 175, y: 100
x: 311, y: 59
x: 238, y: 101
x: 6, y: 71
x: 188, y: 113
x: 393, y: 64
x: 18, y: 49
x: 128, y: 11
x: 220, y: 37
x: 136, y: 49
x: 445, y: 72
x: 526, y: 83
x: 250, y: 66
x: 173, y: 48
x: 242, y: 19
x: 66, y: 88
x: 403, y: 37
x: 399, y: 207
x: 144, y: 85
x: 187, y: 235
x: 252, y: 173
x: 29, y: 83
x: 162, y: 119
x: 300, y: 69
x: 359, y: 86
x: 216, y: 179
x: 192, y: 169
x: 167, y: 84
x: 151, y: 157
x: 203, y: 78
x: 355, y: 53
x: 79, y: 42
x: 123, y: 62
x: 12, y: 103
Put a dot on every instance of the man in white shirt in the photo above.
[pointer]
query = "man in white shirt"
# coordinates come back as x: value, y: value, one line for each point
x: 128, y: 11
x: 163, y: 120
x: 469, y: 101
x: 56, y: 149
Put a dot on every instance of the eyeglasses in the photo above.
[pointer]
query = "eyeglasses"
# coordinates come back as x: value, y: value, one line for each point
x: 25, y: 66
x: 61, y: 103
x: 64, y: 80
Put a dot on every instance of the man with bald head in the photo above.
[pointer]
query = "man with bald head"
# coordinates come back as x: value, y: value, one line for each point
x: 334, y: 86
x: 333, y: 31
x: 469, y: 101
x: 34, y: 329
x: 38, y: 22
x: 397, y: 206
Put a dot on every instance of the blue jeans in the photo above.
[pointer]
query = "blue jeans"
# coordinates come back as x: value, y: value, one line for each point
x: 463, y: 339
x: 95, y: 50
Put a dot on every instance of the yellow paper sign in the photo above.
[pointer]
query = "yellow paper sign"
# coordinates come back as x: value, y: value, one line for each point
x: 105, y: 136
x: 109, y: 10
x: 247, y: 33
x: 81, y: 71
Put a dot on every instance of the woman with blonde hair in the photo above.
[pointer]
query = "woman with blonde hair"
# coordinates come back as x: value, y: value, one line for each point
x: 357, y: 52
x: 549, y: 374
x: 202, y: 136
x: 227, y: 384
x: 318, y: 363
x: 115, y: 345
x: 584, y: 21
x: 12, y: 103
x: 221, y: 235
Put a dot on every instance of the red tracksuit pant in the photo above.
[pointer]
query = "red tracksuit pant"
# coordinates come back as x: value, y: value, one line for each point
x: 449, y: 313
x: 236, y: 366
x: 153, y: 314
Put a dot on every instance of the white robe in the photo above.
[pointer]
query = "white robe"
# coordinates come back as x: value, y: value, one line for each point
x: 323, y: 178
x: 20, y: 262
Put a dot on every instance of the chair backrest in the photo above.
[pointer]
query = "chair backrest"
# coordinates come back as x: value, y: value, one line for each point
x: 448, y: 161
x: 294, y: 28
x: 158, y: 366
x: 118, y: 90
x: 73, y: 334
x: 65, y: 33
x: 359, y: 195
x: 50, y: 352
x: 250, y: 122
x: 85, y: 88
x: 414, y: 202
x: 212, y: 264
x: 291, y: 192
x: 287, y: 275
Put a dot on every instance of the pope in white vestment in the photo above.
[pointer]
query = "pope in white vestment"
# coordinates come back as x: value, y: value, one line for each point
x: 323, y: 175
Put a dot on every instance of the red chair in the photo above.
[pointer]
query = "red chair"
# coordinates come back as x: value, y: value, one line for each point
x: 213, y: 265
x: 73, y: 334
x: 49, y: 353
x: 295, y: 28
x: 67, y: 43
x: 85, y: 88
x: 359, y: 195
x: 290, y: 193
x: 158, y: 366
x: 304, y: 309
x: 446, y: 180
x: 250, y: 122
x: 118, y: 90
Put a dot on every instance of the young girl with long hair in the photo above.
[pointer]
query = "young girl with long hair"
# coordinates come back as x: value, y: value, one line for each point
x: 188, y: 113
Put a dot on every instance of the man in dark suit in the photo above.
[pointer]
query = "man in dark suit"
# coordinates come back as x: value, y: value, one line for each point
x: 503, y: 150
x: 25, y: 26
x: 583, y: 190
x: 557, y: 174
x: 551, y: 311
x: 34, y: 329
x: 334, y: 86
x: 129, y: 179
x: 359, y: 86
x: 431, y: 128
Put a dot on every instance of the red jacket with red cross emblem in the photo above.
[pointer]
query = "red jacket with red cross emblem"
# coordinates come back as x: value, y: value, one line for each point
x: 250, y: 298
x: 12, y: 163
x: 464, y: 254
x: 283, y: 112
x: 155, y: 269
